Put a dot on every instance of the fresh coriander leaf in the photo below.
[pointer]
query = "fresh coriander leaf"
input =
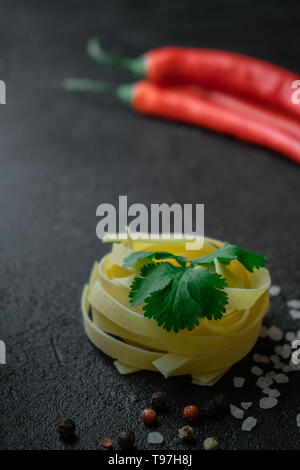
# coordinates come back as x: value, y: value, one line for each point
x: 158, y: 255
x: 154, y: 277
x: 207, y: 289
x: 228, y: 253
x: 176, y: 297
x: 251, y: 260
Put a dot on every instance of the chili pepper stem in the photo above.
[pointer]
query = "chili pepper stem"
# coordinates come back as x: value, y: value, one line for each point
x: 123, y: 92
x: 135, y: 66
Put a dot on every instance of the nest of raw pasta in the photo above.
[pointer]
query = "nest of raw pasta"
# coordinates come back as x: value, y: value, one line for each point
x: 138, y: 343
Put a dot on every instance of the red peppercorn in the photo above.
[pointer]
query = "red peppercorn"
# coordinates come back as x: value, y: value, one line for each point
x: 148, y: 416
x: 107, y: 443
x: 191, y: 412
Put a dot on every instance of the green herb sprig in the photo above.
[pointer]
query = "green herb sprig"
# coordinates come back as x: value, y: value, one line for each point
x: 177, y: 296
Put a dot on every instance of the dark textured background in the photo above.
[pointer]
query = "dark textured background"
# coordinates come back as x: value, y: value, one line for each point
x: 61, y: 155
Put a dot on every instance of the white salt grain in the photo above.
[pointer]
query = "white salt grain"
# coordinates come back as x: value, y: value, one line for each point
x: 262, y: 359
x: 155, y: 438
x: 236, y: 412
x: 263, y: 332
x: 287, y: 368
x: 295, y: 314
x: 298, y: 420
x: 294, y: 303
x: 278, y: 365
x: 264, y: 382
x: 274, y: 290
x: 271, y: 374
x: 274, y: 358
x: 249, y: 423
x: 281, y: 379
x: 272, y: 392
x: 286, y: 351
x: 275, y: 334
x: 290, y: 336
x: 238, y: 382
x: 267, y: 403
x: 256, y: 370
x: 283, y: 351
x: 246, y: 404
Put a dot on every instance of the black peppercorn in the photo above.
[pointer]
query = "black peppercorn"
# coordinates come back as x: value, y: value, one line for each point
x: 221, y: 402
x: 126, y: 439
x: 158, y: 401
x: 66, y: 428
x: 209, y: 409
x: 215, y: 407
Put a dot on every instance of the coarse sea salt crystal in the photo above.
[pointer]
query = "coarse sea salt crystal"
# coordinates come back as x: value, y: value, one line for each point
x: 236, y: 412
x: 238, y: 382
x: 283, y: 351
x: 298, y: 420
x: 246, y: 404
x: 271, y: 374
x: 262, y: 359
x: 281, y: 379
x: 290, y: 336
x: 287, y: 368
x: 249, y: 423
x: 256, y: 370
x: 267, y: 403
x: 272, y: 392
x: 294, y: 303
x: 295, y: 314
x: 264, y: 382
x: 155, y: 438
x: 274, y: 358
x: 263, y: 332
x: 278, y: 365
x: 275, y: 334
x: 286, y: 351
x: 274, y: 290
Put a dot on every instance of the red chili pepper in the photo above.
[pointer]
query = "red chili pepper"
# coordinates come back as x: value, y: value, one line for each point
x: 230, y: 72
x: 181, y: 105
x: 215, y: 112
x: 254, y: 111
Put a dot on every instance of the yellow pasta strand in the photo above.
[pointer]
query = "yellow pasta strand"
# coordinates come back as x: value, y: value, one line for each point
x: 136, y: 342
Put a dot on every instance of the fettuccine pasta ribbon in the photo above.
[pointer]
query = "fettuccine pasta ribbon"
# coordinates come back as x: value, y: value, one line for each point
x: 138, y: 343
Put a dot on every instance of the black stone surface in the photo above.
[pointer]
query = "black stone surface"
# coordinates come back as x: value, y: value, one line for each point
x: 63, y: 154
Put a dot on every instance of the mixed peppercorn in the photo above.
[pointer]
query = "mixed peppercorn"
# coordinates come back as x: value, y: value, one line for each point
x: 148, y: 416
x: 159, y: 401
x: 66, y: 429
x: 126, y: 439
x: 212, y: 408
x: 187, y: 433
x: 191, y: 412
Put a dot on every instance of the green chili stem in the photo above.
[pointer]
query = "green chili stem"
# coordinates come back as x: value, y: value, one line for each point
x: 123, y: 92
x: 135, y: 66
